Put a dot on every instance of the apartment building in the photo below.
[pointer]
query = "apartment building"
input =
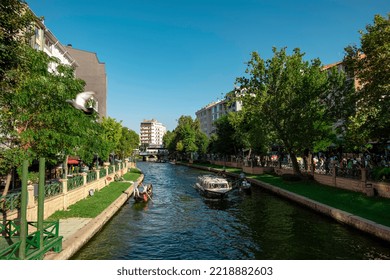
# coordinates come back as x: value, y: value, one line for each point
x: 152, y: 133
x: 213, y: 111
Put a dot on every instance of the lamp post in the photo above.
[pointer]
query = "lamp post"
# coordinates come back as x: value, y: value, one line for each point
x: 97, y: 161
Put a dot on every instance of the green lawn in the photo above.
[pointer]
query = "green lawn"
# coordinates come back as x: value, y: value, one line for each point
x: 372, y: 208
x: 92, y: 206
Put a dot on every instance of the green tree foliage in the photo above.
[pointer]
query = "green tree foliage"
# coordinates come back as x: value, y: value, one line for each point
x: 127, y: 143
x: 169, y: 141
x: 186, y: 140
x: 111, y: 136
x: 369, y: 64
x: 286, y: 94
x: 228, y: 138
x: 15, y: 20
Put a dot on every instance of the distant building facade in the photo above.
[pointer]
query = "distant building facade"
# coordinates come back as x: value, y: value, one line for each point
x: 152, y: 133
x: 213, y: 111
x: 93, y: 72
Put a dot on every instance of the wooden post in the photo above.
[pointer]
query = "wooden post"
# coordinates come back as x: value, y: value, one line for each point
x: 41, y: 200
x: 23, y: 212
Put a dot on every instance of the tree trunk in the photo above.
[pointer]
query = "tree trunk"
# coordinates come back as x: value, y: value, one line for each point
x: 7, y: 183
x: 295, y: 164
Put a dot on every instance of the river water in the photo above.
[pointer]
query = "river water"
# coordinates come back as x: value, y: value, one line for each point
x: 180, y: 224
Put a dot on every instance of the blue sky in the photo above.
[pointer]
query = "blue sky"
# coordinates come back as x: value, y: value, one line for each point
x: 168, y: 58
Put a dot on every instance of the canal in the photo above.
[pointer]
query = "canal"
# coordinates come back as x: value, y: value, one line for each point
x: 180, y: 224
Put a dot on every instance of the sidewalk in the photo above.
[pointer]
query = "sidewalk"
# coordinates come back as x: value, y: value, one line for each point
x: 70, y: 226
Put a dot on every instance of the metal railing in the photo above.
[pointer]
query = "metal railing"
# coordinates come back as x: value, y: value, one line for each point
x: 91, y: 176
x: 10, y: 233
x: 102, y: 173
x: 11, y: 201
x: 53, y: 189
x: 75, y: 182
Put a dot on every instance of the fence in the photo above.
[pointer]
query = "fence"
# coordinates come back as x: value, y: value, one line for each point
x: 60, y: 195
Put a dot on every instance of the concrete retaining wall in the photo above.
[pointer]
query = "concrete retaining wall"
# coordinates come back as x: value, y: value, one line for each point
x: 375, y: 229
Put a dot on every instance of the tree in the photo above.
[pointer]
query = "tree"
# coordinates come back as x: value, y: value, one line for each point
x: 369, y: 65
x: 168, y: 141
x: 14, y: 20
x: 287, y: 95
x: 225, y: 141
x: 186, y: 139
x: 127, y: 143
x: 111, y: 135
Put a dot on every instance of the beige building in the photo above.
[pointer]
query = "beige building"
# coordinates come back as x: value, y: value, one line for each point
x: 152, y: 133
x: 212, y: 112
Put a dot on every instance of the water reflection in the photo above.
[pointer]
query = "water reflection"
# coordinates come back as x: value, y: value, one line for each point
x: 180, y: 224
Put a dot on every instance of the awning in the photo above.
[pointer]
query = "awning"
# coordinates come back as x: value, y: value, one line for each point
x: 73, y: 161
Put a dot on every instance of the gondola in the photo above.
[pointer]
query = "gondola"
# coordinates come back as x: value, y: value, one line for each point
x: 143, y: 193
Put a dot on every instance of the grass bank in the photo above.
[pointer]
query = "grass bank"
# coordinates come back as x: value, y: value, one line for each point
x: 92, y: 206
x: 376, y: 209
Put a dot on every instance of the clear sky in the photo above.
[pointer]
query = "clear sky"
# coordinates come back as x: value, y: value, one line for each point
x: 168, y: 58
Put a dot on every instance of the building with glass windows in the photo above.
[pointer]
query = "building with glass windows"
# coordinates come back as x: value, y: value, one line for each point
x: 152, y: 133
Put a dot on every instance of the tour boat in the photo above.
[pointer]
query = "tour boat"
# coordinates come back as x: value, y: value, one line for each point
x: 213, y: 186
x: 142, y: 193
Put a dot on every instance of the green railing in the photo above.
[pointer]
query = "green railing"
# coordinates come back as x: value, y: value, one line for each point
x: 102, y: 173
x: 110, y: 169
x: 53, y: 189
x: 75, y: 182
x: 10, y: 240
x: 10, y: 201
x: 91, y: 176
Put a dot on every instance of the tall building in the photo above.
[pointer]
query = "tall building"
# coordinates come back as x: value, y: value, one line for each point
x: 152, y: 133
x: 212, y: 112
x: 93, y: 72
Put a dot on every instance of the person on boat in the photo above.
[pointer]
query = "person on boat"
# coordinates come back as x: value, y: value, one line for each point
x: 136, y: 190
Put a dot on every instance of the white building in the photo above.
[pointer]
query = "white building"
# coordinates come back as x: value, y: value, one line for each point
x: 152, y: 133
x: 212, y: 112
x: 44, y: 40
